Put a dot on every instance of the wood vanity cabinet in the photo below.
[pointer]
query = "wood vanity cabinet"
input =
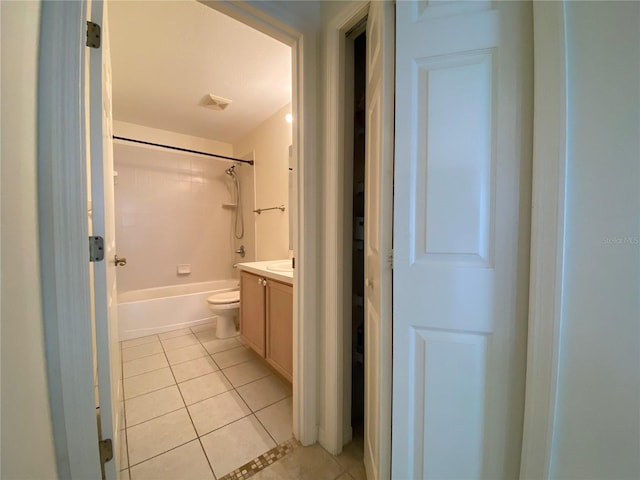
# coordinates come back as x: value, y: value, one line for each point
x: 280, y: 327
x: 252, y: 312
x: 266, y: 320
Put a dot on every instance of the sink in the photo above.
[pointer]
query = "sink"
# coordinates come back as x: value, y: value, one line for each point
x: 282, y: 266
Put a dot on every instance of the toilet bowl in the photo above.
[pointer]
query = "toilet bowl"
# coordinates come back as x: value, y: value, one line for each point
x: 226, y: 306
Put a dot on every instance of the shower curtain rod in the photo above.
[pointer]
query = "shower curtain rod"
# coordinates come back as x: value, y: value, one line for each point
x: 180, y: 149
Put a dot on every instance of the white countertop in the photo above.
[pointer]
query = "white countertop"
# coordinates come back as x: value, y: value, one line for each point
x: 260, y: 268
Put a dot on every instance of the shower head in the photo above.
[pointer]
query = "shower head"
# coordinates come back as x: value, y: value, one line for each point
x: 230, y: 170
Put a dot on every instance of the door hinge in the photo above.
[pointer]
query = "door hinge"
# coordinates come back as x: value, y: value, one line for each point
x: 390, y: 259
x: 106, y: 450
x: 96, y: 249
x: 93, y: 35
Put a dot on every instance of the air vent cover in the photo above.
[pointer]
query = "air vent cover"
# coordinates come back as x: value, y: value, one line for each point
x: 214, y: 102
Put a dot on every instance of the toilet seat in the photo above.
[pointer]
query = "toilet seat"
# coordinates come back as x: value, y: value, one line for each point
x: 225, y: 300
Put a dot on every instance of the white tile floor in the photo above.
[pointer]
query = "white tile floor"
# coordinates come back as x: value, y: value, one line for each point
x: 197, y: 407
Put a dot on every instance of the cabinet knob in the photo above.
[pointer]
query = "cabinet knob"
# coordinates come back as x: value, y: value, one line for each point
x: 264, y: 282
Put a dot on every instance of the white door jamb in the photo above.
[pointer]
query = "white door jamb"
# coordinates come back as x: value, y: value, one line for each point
x: 64, y: 243
x: 547, y: 238
x: 336, y: 403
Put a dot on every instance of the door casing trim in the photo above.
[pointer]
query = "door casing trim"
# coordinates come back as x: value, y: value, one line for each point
x: 547, y: 238
x: 336, y: 403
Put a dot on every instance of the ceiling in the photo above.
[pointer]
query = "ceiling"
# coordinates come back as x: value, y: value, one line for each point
x: 167, y: 56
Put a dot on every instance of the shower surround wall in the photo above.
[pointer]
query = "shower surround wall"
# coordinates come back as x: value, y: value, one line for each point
x: 169, y: 210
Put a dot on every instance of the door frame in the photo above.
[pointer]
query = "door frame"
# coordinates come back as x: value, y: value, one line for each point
x: 63, y: 242
x: 547, y: 238
x: 336, y: 405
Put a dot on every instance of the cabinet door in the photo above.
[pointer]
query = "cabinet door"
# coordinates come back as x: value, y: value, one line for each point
x: 252, y: 321
x: 280, y: 327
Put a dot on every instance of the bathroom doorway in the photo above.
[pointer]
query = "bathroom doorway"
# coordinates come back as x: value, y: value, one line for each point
x: 259, y: 141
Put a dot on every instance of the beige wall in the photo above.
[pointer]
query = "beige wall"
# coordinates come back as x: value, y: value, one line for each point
x: 597, y: 418
x: 270, y: 144
x: 27, y: 439
x: 165, y: 137
x: 169, y: 209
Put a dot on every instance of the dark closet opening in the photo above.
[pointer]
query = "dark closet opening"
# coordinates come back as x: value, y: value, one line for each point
x: 358, y: 219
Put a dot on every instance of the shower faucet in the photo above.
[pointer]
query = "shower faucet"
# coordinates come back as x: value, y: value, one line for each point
x: 240, y: 251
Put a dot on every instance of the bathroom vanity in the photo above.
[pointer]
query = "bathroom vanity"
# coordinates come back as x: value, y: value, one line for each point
x: 266, y: 312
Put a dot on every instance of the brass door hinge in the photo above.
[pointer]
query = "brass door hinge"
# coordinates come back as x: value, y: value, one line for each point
x: 106, y: 450
x: 96, y: 249
x: 93, y: 35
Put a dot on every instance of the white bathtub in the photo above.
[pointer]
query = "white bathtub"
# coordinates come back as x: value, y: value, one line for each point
x: 157, y: 310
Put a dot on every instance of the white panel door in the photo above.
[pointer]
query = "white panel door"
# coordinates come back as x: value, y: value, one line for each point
x: 103, y: 211
x: 378, y: 237
x: 461, y: 237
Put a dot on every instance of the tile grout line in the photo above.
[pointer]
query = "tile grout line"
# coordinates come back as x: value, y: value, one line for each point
x: 162, y: 453
x: 252, y: 467
x: 233, y: 389
x: 226, y: 424
x: 192, y: 422
x: 252, y: 412
x: 178, y: 363
x: 148, y: 371
x: 158, y: 416
x: 146, y: 344
x: 122, y: 342
x: 154, y: 370
x: 250, y: 382
x: 191, y: 418
x: 189, y: 413
x: 193, y: 425
x: 273, y: 403
x: 140, y: 357
x: 191, y: 378
x: 265, y: 428
x: 150, y: 391
x: 169, y: 386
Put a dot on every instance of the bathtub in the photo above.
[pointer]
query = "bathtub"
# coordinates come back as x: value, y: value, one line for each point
x: 157, y: 310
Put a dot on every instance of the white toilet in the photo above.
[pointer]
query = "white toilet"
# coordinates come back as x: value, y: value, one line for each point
x: 226, y: 305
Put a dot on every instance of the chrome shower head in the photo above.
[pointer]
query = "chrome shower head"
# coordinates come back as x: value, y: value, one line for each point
x: 230, y: 170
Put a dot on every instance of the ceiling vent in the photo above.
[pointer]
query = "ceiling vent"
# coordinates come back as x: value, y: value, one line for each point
x: 214, y: 102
